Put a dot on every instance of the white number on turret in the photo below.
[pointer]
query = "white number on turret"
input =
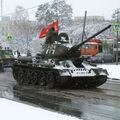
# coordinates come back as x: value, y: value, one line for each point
x: 51, y: 49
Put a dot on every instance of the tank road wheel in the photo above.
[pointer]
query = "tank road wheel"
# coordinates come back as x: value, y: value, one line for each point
x: 86, y: 85
x: 28, y: 77
x: 42, y: 78
x: 100, y: 80
x: 15, y: 73
x: 34, y: 78
x: 21, y: 76
x: 50, y: 80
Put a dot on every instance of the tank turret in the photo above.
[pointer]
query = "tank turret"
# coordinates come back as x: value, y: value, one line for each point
x: 59, y: 65
x: 58, y: 49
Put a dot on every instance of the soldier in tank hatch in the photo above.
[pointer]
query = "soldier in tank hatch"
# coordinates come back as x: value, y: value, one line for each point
x: 51, y: 36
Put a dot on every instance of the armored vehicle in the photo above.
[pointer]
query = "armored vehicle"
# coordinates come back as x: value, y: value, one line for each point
x: 1, y: 64
x: 6, y: 57
x: 1, y: 60
x: 59, y: 66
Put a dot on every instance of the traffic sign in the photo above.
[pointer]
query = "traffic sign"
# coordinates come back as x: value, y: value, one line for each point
x: 116, y: 27
x: 9, y: 37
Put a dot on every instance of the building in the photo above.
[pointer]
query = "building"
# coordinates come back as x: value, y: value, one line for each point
x: 89, y: 18
x: 5, y: 26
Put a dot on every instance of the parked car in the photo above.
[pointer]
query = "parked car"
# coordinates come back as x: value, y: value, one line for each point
x: 101, y: 58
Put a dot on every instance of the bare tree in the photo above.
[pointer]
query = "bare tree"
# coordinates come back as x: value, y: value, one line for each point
x: 57, y: 9
x: 21, y: 26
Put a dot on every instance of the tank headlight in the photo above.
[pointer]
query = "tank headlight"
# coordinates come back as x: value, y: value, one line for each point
x: 51, y: 61
x: 34, y: 59
x: 71, y: 71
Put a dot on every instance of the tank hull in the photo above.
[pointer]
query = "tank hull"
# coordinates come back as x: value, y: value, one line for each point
x: 50, y: 78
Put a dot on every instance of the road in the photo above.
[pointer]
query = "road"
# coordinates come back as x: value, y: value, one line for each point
x: 102, y: 103
x: 6, y: 84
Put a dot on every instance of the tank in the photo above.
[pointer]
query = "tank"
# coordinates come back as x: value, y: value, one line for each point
x: 59, y: 65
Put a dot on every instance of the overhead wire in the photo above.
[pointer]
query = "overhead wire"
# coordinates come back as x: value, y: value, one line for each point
x: 25, y: 9
x: 21, y: 10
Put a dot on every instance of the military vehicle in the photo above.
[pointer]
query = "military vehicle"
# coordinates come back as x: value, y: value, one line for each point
x: 1, y: 60
x: 1, y: 64
x: 6, y: 57
x: 59, y: 66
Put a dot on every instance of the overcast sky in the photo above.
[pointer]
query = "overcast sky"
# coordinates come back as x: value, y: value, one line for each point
x: 93, y: 7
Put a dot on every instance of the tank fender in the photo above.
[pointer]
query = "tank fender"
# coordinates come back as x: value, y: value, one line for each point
x: 25, y: 58
x: 100, y: 70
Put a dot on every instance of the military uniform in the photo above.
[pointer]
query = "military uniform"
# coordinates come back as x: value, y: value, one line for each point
x: 51, y: 36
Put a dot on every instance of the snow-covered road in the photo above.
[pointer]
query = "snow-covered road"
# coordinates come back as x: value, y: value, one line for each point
x: 11, y: 110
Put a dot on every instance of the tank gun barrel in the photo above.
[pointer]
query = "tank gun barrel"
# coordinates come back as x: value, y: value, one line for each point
x: 82, y: 43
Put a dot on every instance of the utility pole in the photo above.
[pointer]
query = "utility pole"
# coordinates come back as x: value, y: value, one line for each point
x: 1, y: 15
x: 1, y: 9
x: 117, y: 44
x: 83, y: 33
x: 116, y: 16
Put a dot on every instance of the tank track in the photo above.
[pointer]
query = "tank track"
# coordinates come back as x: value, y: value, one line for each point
x: 45, y: 77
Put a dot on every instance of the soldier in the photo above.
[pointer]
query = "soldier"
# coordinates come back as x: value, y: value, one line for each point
x: 18, y: 53
x: 77, y: 61
x: 28, y: 53
x: 51, y: 36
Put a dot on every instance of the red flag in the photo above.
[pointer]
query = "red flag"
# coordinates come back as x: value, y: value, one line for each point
x: 44, y: 31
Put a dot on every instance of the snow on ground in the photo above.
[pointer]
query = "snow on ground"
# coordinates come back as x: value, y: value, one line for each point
x: 11, y: 110
x: 113, y: 70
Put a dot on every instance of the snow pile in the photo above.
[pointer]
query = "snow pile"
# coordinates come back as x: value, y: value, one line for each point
x: 10, y: 110
x: 113, y: 70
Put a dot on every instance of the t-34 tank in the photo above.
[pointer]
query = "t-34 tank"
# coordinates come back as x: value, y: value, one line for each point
x: 59, y: 66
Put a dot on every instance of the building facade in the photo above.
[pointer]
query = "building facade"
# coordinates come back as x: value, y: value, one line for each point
x: 89, y: 18
x: 5, y: 26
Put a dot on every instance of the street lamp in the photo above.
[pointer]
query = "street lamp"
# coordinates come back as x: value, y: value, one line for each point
x: 1, y: 9
x: 116, y: 15
x: 1, y: 15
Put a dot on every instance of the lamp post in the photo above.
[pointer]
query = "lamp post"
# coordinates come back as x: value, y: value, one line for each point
x: 83, y: 33
x: 116, y: 16
x: 1, y: 9
x: 1, y: 15
x: 117, y: 43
